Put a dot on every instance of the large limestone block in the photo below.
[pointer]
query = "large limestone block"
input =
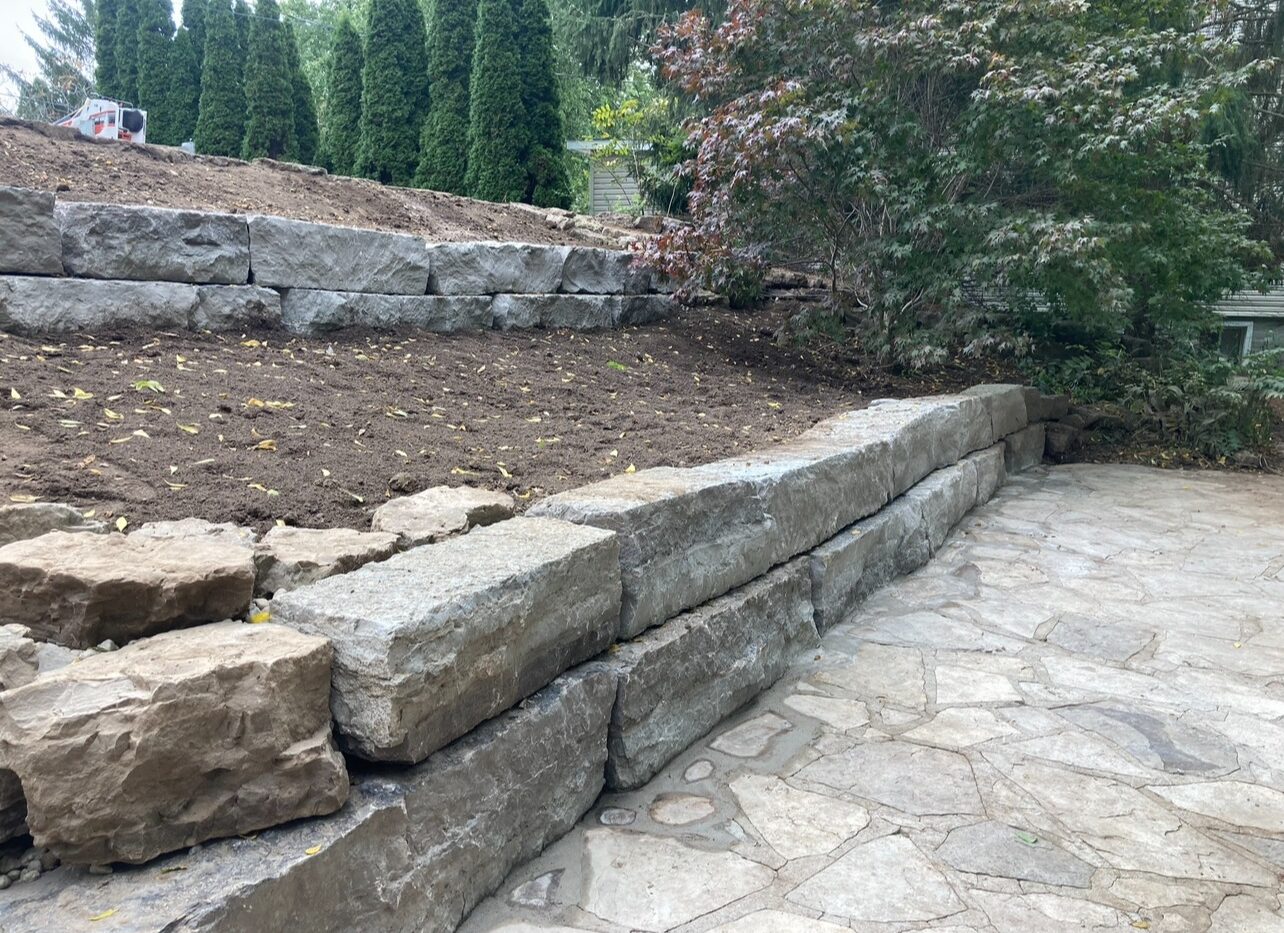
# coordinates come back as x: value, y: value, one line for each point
x: 574, y: 312
x: 1006, y: 405
x: 945, y: 497
x: 79, y: 590
x: 1024, y: 448
x: 235, y: 307
x: 308, y: 311
x: 33, y: 519
x: 926, y: 434
x: 593, y: 271
x: 19, y: 657
x: 288, y: 558
x: 153, y: 244
x: 496, y: 268
x: 440, y: 512
x: 296, y: 254
x: 1040, y: 407
x: 991, y: 471
x: 678, y: 681
x: 414, y: 849
x: 31, y: 305
x: 198, y: 528
x: 647, y: 309
x: 29, y: 240
x: 436, y: 640
x: 860, y: 559
x: 183, y: 737
x: 687, y: 536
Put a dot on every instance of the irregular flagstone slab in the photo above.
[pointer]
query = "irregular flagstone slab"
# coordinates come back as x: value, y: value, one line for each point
x: 440, y: 512
x: 959, y: 685
x: 835, y: 712
x: 496, y: 268
x: 30, y: 243
x: 115, y: 241
x: 887, y: 880
x: 752, y: 737
x: 944, y: 498
x: 860, y: 559
x: 198, y: 528
x: 313, y: 311
x: 33, y: 519
x: 1238, y: 803
x: 680, y: 680
x: 413, y: 849
x: 288, y: 558
x: 577, y: 312
x: 882, y: 672
x: 960, y: 728
x: 1005, y: 852
x: 796, y: 823
x: 654, y: 883
x: 1023, y: 913
x: 31, y: 305
x: 1244, y: 913
x: 79, y: 590
x: 296, y: 254
x: 1164, y: 743
x: 1023, y: 449
x: 892, y: 774
x: 777, y: 921
x: 436, y: 640
x: 168, y: 742
x: 1005, y: 405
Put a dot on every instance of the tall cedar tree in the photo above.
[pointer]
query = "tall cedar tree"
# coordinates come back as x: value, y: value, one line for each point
x: 341, y: 134
x: 496, y: 125
x: 269, y: 93
x: 193, y: 13
x: 394, y: 92
x: 155, y: 37
x: 184, y: 96
x: 106, y: 79
x: 443, y: 157
x: 244, y: 16
x: 127, y: 14
x: 546, y: 181
x: 307, y: 137
x: 220, y: 127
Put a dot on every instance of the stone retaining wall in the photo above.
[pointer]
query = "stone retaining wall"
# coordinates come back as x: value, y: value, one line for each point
x: 75, y: 266
x: 479, y: 696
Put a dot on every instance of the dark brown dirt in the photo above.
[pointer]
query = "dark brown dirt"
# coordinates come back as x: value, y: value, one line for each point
x: 82, y: 169
x: 318, y: 433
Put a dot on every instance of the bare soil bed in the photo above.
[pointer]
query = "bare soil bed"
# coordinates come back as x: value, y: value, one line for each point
x: 82, y: 169
x: 264, y: 427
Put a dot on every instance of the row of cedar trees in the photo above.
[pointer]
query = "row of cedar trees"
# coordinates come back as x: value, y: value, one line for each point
x: 467, y: 103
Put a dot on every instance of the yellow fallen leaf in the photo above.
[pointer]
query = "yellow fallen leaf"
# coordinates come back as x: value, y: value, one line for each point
x: 149, y: 385
x: 122, y: 523
x: 175, y: 485
x: 259, y: 617
x: 460, y: 471
x: 189, y: 429
x: 251, y: 344
x: 104, y: 915
x: 630, y: 469
x: 119, y: 440
x: 23, y: 497
x: 312, y: 850
x: 141, y: 433
x: 112, y: 416
x: 81, y: 394
x: 13, y: 394
x: 268, y: 444
x: 504, y: 473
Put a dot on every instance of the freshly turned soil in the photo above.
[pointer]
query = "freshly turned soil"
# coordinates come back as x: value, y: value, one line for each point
x: 262, y: 427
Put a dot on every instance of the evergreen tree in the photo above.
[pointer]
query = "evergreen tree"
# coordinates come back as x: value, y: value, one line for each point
x: 64, y: 53
x: 127, y: 13
x: 306, y: 134
x: 244, y: 16
x: 443, y: 157
x: 193, y: 13
x: 155, y: 38
x: 221, y: 123
x: 269, y: 95
x: 342, y: 130
x: 394, y: 92
x: 496, y: 125
x: 185, y: 86
x: 105, y: 77
x: 544, y: 159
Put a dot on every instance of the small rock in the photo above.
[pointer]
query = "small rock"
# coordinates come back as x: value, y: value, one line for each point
x: 13, y: 874
x: 404, y: 483
x: 48, y: 861
x: 1062, y: 440
x: 616, y: 816
x: 5, y: 881
x: 107, y: 645
x: 31, y: 520
x: 288, y: 558
x: 30, y: 873
x: 440, y: 512
x: 30, y: 857
x: 198, y: 528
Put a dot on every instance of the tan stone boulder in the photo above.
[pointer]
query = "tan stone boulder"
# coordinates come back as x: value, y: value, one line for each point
x: 441, y: 512
x: 175, y: 739
x: 199, y: 528
x: 13, y: 806
x: 79, y: 590
x: 33, y: 519
x: 288, y: 558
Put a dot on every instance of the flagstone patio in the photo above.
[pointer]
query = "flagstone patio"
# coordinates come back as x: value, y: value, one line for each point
x: 1071, y: 719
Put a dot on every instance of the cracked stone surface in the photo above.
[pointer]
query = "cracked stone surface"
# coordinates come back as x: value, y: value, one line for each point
x: 1071, y: 719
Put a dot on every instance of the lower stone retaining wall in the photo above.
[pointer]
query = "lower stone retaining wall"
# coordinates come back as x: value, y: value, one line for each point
x: 75, y: 266
x: 710, y: 578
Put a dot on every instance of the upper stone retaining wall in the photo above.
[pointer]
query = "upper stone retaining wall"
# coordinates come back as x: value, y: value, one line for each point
x: 76, y: 266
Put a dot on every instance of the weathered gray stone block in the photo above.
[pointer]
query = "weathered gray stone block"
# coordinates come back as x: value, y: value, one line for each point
x: 647, y: 309
x: 288, y: 558
x: 925, y: 434
x: 731, y: 521
x: 43, y: 305
x: 1024, y: 449
x: 678, y: 681
x: 296, y: 254
x: 79, y: 590
x: 440, y: 512
x: 945, y: 497
x: 307, y: 311
x: 991, y: 471
x: 496, y: 268
x: 860, y: 559
x: 1006, y: 405
x: 153, y: 244
x: 174, y: 740
x: 1040, y: 407
x: 433, y: 641
x: 235, y: 307
x: 414, y: 849
x: 576, y: 312
x: 29, y: 239
x: 31, y: 520
x: 198, y: 528
x: 593, y: 271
